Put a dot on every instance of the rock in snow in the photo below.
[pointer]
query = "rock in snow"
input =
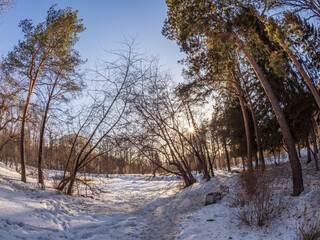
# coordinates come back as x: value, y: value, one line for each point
x: 214, y: 197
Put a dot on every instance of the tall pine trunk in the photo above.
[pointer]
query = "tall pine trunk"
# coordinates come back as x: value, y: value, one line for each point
x: 43, y: 127
x: 22, y: 135
x: 41, y: 140
x: 246, y: 124
x: 255, y: 124
x: 287, y: 136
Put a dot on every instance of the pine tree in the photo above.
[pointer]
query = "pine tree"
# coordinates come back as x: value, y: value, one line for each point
x: 45, y: 46
x: 201, y: 25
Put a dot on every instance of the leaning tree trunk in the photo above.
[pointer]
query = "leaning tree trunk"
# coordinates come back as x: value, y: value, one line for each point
x: 255, y: 124
x: 246, y: 124
x: 301, y: 70
x: 287, y: 136
x: 188, y: 178
x: 73, y: 175
x: 71, y: 183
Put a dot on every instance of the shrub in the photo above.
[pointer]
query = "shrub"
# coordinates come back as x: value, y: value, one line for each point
x: 309, y: 227
x: 255, y: 200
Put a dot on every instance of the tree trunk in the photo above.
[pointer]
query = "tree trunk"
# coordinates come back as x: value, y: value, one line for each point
x: 185, y: 174
x: 309, y: 152
x: 315, y: 146
x: 70, y: 186
x: 256, y: 160
x: 210, y: 162
x: 299, y: 151
x: 43, y: 126
x: 219, y: 155
x: 40, y: 156
x: 301, y: 70
x: 288, y: 139
x: 22, y: 134
x: 202, y: 160
x: 255, y: 124
x: 246, y: 125
x: 226, y: 152
x: 188, y: 181
x: 199, y: 146
x: 243, y: 164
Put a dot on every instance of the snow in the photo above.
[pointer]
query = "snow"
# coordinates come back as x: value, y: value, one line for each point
x: 138, y: 207
x: 219, y: 221
x: 26, y: 212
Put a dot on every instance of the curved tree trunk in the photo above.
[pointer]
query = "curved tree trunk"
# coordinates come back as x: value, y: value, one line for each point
x: 255, y: 124
x: 301, y: 70
x: 287, y: 136
x: 246, y: 124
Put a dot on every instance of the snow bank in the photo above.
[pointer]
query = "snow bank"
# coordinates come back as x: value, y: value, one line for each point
x: 219, y: 221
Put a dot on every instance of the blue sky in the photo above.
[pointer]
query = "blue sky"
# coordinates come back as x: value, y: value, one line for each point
x: 107, y: 21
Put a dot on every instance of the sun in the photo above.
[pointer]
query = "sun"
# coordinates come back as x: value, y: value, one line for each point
x: 191, y: 129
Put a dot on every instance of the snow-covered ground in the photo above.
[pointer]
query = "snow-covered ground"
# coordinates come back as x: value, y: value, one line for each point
x: 138, y: 207
x: 128, y: 207
x: 220, y: 221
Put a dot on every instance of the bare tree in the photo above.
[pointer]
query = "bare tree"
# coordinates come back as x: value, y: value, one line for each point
x: 161, y: 129
x: 5, y: 6
x: 309, y: 6
x: 10, y: 96
x: 58, y: 85
x: 104, y: 114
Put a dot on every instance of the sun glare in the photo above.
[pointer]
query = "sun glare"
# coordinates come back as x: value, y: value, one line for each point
x: 191, y: 129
